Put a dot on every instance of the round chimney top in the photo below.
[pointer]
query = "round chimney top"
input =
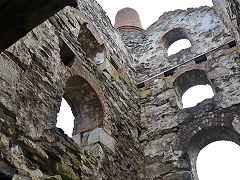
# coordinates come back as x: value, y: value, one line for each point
x: 127, y: 17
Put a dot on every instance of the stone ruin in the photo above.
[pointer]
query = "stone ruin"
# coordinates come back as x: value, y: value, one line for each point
x: 124, y: 90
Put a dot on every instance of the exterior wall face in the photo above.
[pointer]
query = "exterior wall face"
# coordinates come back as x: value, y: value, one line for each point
x: 228, y: 10
x: 170, y: 129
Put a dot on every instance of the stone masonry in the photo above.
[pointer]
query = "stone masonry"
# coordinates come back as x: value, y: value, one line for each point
x: 125, y: 93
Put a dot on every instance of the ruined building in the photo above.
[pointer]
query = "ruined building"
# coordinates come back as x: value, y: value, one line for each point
x: 124, y: 90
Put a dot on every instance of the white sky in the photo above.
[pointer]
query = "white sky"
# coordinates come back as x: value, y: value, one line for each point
x: 149, y: 10
x: 178, y: 46
x: 196, y: 94
x: 217, y: 163
x: 216, y: 158
x: 65, y: 118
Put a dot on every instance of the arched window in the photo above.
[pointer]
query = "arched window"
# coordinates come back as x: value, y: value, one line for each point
x: 188, y: 80
x: 175, y: 39
x: 178, y: 46
x: 65, y: 118
x: 206, y: 136
x: 83, y: 102
x: 219, y: 160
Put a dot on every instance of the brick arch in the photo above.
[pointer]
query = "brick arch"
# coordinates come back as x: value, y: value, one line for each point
x: 78, y: 69
x: 173, y: 34
x: 203, y: 131
x: 86, y: 106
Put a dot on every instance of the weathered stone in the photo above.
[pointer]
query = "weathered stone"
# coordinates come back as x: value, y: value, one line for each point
x: 6, y: 170
x: 96, y: 150
x: 20, y: 177
x: 77, y: 138
x: 34, y: 148
x: 4, y: 141
x: 100, y: 136
x: 179, y: 176
x: 65, y: 171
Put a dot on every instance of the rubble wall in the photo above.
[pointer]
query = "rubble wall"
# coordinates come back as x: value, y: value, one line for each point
x: 34, y: 74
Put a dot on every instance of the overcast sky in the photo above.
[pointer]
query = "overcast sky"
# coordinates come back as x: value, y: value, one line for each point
x: 149, y: 10
x: 225, y: 155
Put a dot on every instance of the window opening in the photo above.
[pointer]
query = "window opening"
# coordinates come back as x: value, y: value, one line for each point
x: 65, y: 118
x: 178, y: 45
x: 196, y: 94
x: 206, y: 135
x: 170, y: 72
x: 91, y: 45
x: 219, y: 160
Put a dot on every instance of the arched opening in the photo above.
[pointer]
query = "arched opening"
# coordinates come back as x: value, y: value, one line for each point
x: 188, y: 80
x: 85, y: 104
x: 65, y: 118
x: 219, y: 160
x: 178, y: 46
x: 196, y: 94
x: 80, y: 102
x: 206, y: 136
x: 175, y: 40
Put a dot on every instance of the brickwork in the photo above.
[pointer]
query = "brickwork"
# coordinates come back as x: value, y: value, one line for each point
x: 212, y: 120
x: 127, y: 17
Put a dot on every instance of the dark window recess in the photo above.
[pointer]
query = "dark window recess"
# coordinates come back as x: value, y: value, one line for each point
x: 201, y: 59
x: 232, y: 44
x: 114, y: 64
x: 169, y: 72
x: 67, y: 56
x: 141, y: 85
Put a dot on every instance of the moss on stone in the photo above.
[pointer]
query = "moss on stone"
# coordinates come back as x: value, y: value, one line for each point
x: 65, y: 172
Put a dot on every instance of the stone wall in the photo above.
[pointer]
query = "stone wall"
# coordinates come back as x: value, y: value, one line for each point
x: 173, y: 136
x: 38, y: 70
x: 201, y: 26
x: 126, y: 96
x: 166, y: 124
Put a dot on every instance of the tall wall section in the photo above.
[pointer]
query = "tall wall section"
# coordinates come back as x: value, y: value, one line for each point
x: 79, y: 56
x: 173, y: 136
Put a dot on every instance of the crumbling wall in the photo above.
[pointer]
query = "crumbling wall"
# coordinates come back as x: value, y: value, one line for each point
x: 201, y: 26
x: 34, y: 75
x: 173, y: 136
x: 134, y: 133
x: 228, y: 11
